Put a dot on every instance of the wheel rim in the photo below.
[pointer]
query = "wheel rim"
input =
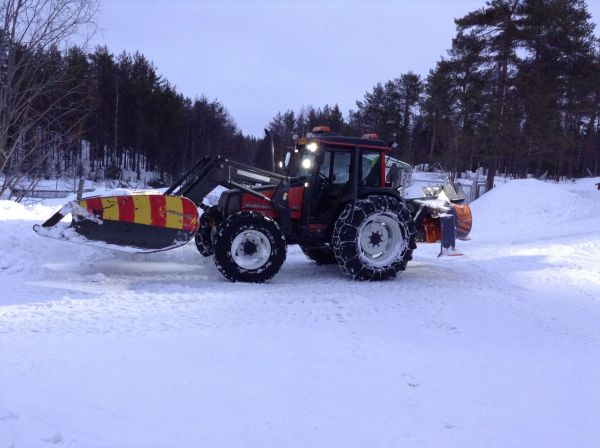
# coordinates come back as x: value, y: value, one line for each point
x: 250, y: 249
x: 380, y: 240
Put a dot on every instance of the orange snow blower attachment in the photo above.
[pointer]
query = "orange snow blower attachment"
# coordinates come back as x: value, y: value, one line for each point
x: 443, y: 215
x: 464, y: 220
x: 463, y: 223
x: 433, y: 230
x: 134, y: 222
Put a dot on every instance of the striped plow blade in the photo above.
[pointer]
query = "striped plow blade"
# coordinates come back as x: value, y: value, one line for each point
x: 138, y: 222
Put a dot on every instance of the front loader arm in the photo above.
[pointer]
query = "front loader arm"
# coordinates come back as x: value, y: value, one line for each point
x: 150, y: 221
x: 209, y: 173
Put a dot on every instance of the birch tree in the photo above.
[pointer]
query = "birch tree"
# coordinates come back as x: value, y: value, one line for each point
x: 37, y: 92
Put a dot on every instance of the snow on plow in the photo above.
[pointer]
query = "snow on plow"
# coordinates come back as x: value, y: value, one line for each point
x: 133, y: 223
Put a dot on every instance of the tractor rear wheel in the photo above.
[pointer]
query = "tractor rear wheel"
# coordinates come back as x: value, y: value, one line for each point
x: 319, y: 254
x: 373, y: 238
x: 249, y: 247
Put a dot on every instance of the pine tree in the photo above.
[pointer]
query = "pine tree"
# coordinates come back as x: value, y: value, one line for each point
x: 496, y: 28
x: 438, y: 111
x: 410, y: 89
x: 372, y: 115
x: 557, y: 80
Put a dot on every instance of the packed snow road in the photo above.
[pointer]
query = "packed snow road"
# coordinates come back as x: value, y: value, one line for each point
x: 500, y: 347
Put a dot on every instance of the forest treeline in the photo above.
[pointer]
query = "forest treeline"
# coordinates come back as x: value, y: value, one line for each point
x: 518, y: 92
x: 130, y: 119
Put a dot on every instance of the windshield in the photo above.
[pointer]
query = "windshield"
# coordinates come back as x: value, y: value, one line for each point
x: 303, y: 164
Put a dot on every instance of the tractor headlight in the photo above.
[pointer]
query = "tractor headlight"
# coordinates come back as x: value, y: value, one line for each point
x: 312, y: 146
x: 306, y: 163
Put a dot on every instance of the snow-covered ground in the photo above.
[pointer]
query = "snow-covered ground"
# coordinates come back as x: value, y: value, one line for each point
x: 499, y: 348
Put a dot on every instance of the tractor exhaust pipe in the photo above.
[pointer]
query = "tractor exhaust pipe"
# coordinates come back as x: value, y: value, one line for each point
x: 270, y: 136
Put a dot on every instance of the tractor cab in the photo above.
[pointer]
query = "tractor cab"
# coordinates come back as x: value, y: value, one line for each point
x: 334, y: 170
x: 334, y: 158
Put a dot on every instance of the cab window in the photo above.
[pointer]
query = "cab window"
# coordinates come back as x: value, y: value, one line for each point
x: 340, y: 172
x: 305, y: 165
x: 324, y: 172
x: 370, y: 168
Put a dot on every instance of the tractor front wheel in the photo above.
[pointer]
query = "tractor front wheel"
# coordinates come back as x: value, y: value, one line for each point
x: 204, y: 237
x: 373, y: 238
x: 208, y: 225
x: 249, y: 247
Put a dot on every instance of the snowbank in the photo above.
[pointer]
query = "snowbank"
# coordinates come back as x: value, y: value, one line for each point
x: 529, y: 209
x: 10, y: 211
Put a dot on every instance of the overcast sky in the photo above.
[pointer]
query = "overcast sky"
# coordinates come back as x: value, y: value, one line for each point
x: 264, y: 56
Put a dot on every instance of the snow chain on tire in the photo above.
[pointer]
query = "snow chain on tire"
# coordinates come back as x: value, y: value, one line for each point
x: 249, y: 247
x: 373, y: 238
x: 204, y: 237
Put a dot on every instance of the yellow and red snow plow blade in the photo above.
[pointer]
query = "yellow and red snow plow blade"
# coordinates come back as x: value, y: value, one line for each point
x: 133, y: 223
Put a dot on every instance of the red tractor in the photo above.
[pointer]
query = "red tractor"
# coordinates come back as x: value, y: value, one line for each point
x: 333, y: 202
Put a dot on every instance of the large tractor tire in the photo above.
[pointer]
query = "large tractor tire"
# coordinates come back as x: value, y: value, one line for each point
x: 319, y: 254
x: 249, y: 247
x: 204, y: 237
x: 373, y: 238
x: 208, y: 221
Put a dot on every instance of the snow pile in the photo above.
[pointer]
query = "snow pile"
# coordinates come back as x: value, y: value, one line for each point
x: 529, y: 209
x: 11, y: 211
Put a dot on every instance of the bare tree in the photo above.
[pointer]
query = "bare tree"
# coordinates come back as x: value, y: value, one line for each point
x: 38, y: 92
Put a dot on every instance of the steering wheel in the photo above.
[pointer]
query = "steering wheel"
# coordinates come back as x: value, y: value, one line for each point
x: 323, y: 180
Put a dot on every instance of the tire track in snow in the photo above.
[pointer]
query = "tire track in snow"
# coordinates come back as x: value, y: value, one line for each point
x: 527, y: 298
x: 134, y: 295
x: 133, y: 303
